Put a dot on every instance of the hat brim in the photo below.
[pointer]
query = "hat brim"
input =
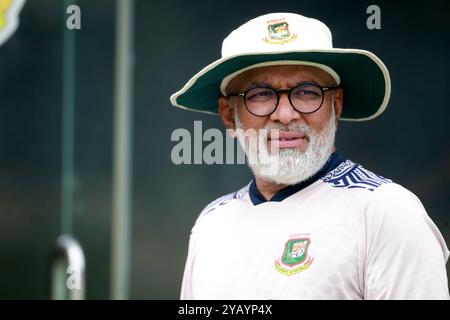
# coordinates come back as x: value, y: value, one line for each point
x: 364, y: 78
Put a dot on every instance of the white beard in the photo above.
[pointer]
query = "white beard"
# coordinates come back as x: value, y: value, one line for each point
x: 290, y: 166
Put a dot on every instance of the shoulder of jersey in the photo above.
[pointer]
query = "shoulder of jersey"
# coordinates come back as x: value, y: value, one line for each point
x: 224, y: 200
x: 350, y: 175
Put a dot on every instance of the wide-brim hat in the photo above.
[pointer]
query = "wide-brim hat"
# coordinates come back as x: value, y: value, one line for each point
x: 291, y: 39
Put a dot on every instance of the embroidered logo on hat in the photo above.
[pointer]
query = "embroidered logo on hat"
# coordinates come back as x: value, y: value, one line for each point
x: 279, y: 32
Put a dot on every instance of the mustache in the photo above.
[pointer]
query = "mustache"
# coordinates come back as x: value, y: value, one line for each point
x: 302, y: 128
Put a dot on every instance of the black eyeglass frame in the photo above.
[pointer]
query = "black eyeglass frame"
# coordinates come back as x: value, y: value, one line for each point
x: 243, y: 94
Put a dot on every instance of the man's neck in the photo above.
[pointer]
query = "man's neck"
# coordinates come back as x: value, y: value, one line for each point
x: 268, y: 188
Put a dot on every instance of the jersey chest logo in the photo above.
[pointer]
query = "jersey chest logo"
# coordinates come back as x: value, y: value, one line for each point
x: 295, y: 257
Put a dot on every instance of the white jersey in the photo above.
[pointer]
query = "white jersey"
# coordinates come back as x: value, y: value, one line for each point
x: 346, y: 233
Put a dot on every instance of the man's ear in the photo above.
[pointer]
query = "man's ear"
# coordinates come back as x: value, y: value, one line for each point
x: 226, y: 112
x: 338, y: 102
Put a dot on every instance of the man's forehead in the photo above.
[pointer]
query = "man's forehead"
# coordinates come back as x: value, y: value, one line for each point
x: 292, y: 74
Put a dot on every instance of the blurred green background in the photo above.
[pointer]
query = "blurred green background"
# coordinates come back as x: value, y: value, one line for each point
x: 174, y: 39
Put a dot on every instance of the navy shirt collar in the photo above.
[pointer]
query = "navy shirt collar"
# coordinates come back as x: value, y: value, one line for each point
x: 257, y: 198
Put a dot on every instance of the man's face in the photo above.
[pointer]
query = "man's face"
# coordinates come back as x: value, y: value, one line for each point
x: 284, y: 77
x: 305, y: 140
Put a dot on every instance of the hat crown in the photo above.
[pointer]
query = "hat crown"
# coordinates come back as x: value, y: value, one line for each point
x: 290, y: 39
x: 277, y: 32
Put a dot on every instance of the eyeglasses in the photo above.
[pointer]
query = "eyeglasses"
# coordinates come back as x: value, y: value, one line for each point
x: 263, y: 101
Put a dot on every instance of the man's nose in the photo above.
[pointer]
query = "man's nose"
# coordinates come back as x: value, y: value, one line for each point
x: 285, y: 113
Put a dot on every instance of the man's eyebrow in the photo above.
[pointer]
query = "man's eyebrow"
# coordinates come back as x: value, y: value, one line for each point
x: 256, y: 84
x: 307, y: 82
x: 266, y: 84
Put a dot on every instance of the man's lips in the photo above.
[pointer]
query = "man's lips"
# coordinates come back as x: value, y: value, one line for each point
x: 287, y: 139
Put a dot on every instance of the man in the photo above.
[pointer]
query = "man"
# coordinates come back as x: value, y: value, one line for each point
x: 315, y: 226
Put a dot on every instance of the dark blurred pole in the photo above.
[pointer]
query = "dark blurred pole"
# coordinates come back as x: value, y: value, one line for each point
x: 122, y: 162
x: 68, y: 254
x: 68, y: 125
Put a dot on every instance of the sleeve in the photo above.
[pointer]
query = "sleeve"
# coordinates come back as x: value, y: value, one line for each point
x: 187, y: 292
x: 405, y: 254
x: 186, y: 285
